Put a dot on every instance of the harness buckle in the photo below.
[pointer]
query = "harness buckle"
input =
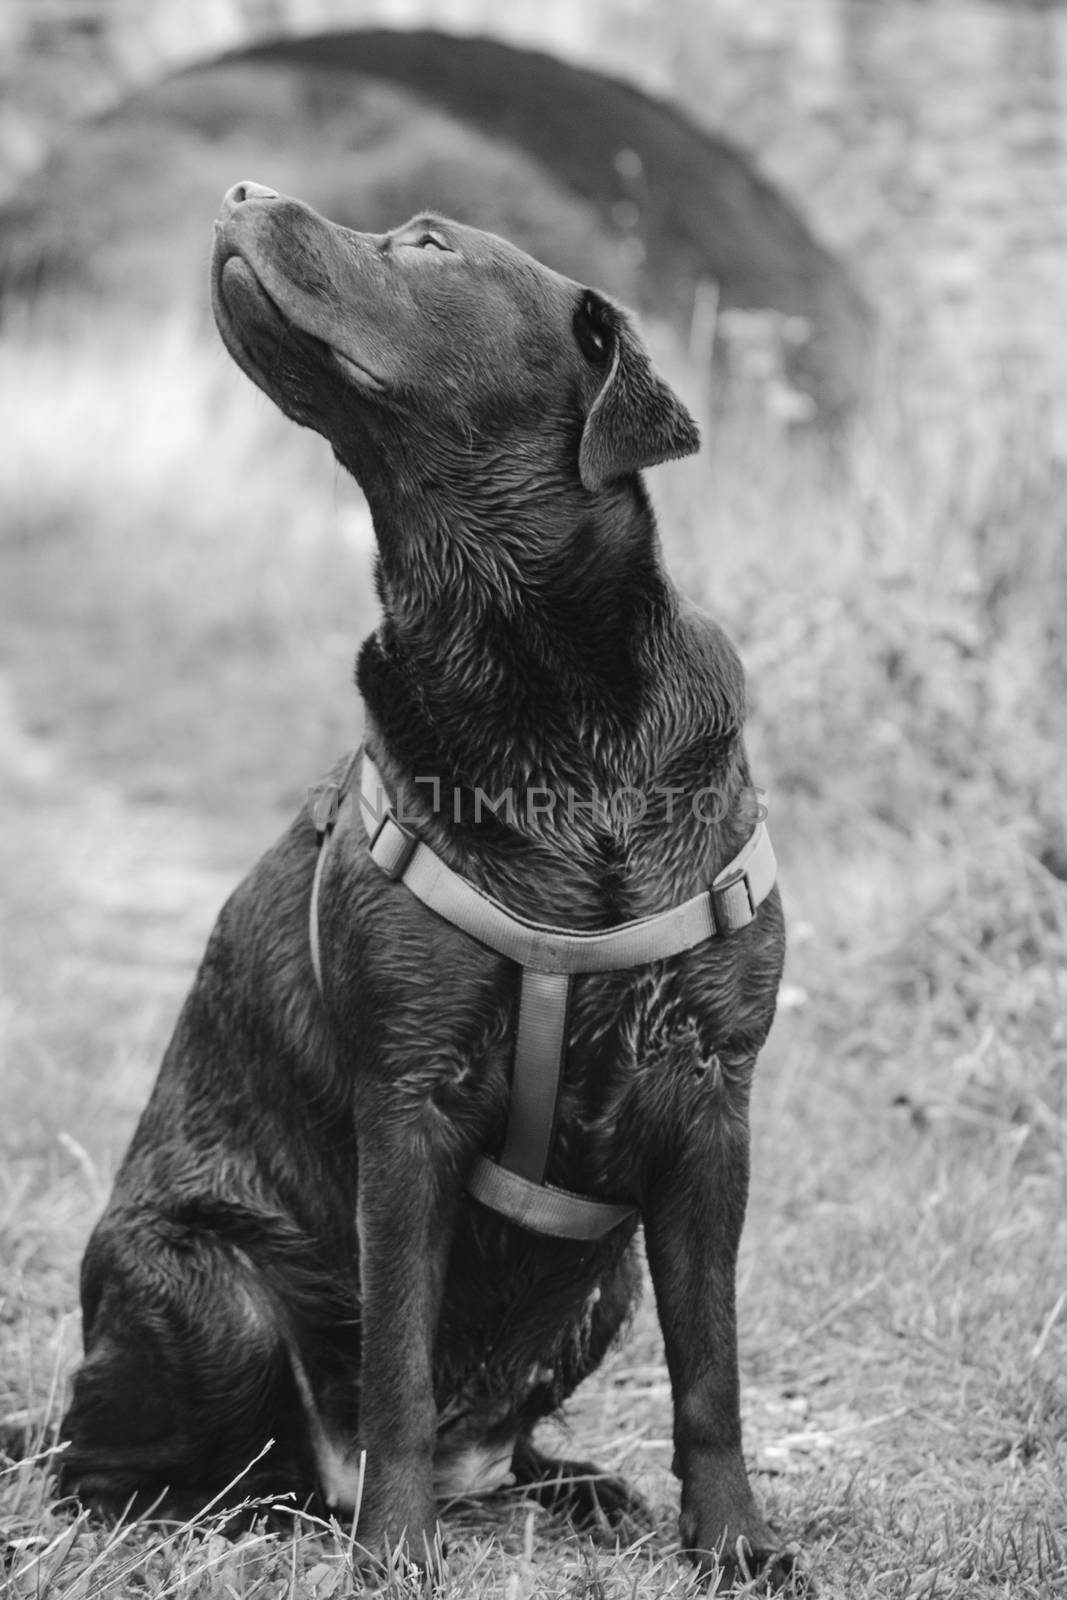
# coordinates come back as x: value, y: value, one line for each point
x: 731, y: 902
x: 392, y: 847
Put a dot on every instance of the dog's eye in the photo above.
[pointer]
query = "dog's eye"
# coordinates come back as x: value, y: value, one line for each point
x: 428, y: 241
x: 591, y: 330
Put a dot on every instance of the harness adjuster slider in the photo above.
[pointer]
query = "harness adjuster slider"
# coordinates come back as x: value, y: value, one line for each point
x: 324, y: 802
x: 731, y: 901
x: 392, y: 847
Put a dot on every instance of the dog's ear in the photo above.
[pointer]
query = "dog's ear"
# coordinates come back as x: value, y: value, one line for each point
x: 635, y: 420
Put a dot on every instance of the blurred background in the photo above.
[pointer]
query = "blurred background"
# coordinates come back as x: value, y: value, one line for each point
x: 844, y: 225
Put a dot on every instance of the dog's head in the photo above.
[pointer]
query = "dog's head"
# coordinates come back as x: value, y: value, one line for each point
x: 441, y: 341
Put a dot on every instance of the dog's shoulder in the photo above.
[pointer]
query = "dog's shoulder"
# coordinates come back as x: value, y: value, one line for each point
x: 251, y: 1033
x: 273, y: 894
x: 256, y: 968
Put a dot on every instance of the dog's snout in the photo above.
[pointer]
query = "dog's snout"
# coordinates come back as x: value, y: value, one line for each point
x: 245, y: 191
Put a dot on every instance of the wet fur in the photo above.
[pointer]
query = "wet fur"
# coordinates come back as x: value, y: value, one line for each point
x: 288, y: 1252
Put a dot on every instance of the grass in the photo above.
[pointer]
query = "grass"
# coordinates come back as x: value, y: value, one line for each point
x: 183, y: 580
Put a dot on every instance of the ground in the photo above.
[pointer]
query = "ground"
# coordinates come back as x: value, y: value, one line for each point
x: 183, y: 581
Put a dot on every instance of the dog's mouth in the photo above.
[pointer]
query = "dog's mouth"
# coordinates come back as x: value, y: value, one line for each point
x: 254, y: 326
x: 247, y: 309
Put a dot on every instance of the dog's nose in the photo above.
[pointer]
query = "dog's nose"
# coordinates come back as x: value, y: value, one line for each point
x: 245, y: 191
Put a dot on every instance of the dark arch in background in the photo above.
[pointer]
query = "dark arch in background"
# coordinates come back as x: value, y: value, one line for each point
x: 702, y: 211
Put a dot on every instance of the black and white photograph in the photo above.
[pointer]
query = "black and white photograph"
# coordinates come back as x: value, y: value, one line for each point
x: 533, y: 799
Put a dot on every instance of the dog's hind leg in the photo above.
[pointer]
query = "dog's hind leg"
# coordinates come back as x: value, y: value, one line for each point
x: 588, y: 1497
x: 186, y: 1384
x: 578, y: 1490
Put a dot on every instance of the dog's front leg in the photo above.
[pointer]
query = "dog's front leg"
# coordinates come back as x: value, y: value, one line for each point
x: 408, y: 1195
x: 693, y: 1218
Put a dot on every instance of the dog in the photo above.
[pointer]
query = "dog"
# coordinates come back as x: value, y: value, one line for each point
x: 291, y: 1252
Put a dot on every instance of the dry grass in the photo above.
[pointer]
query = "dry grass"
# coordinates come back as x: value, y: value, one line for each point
x: 183, y: 579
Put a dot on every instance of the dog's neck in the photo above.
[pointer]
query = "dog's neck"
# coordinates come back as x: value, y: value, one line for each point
x: 537, y: 657
x: 508, y: 642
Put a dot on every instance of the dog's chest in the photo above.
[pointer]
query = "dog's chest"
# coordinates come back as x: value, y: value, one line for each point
x: 650, y: 1063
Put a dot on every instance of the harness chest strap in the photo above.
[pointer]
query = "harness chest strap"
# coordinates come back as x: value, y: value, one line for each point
x: 548, y: 957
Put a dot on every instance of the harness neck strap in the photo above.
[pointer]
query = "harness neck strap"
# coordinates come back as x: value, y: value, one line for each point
x: 548, y: 956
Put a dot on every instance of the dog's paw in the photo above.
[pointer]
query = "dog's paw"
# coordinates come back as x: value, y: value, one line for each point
x: 406, y: 1566
x: 590, y: 1500
x: 762, y: 1568
x: 395, y: 1546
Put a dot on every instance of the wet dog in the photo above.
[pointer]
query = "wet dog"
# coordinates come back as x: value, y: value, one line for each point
x: 290, y: 1253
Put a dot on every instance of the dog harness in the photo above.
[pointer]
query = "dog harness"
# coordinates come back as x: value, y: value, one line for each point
x: 548, y: 957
